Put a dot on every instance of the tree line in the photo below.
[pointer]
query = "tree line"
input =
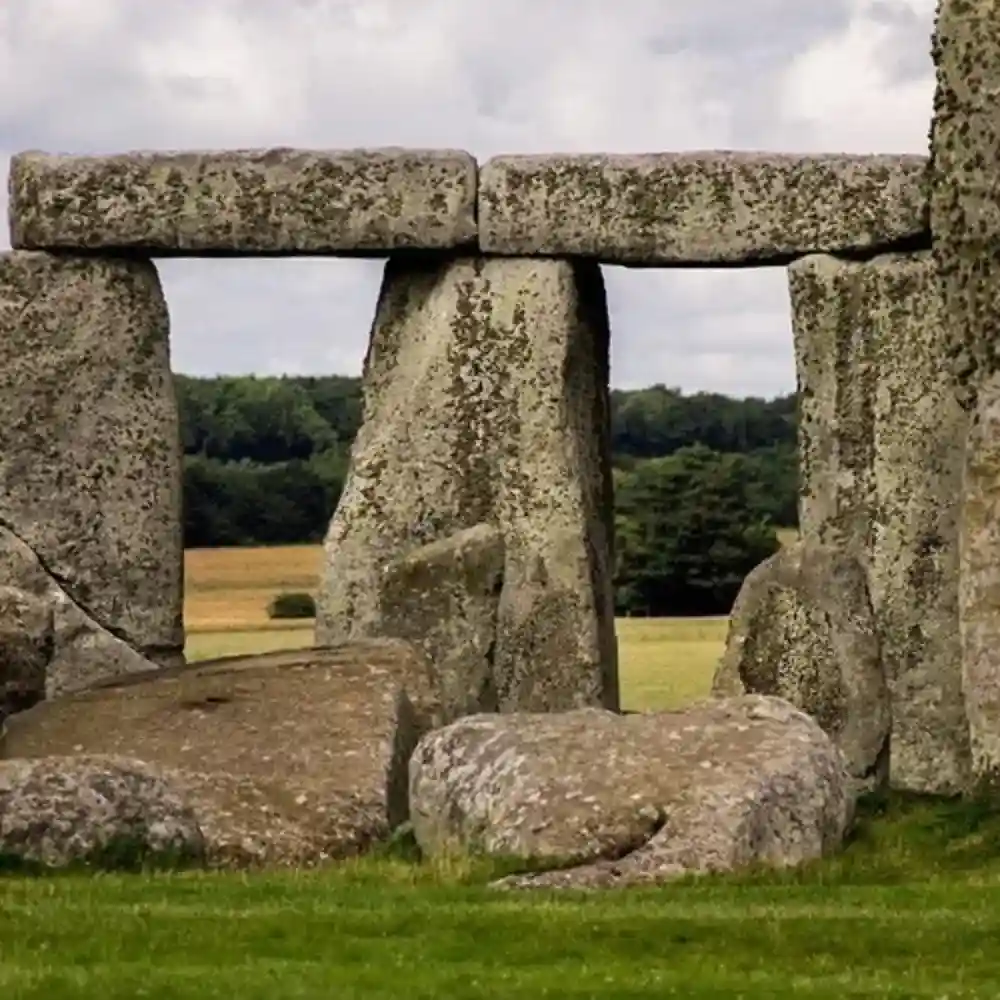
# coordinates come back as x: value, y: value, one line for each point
x: 702, y: 481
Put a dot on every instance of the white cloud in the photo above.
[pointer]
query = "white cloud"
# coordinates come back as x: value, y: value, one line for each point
x: 525, y: 75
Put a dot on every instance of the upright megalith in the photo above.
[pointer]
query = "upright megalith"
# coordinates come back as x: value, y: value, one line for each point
x: 881, y: 438
x: 965, y: 216
x: 485, y: 404
x: 90, y: 470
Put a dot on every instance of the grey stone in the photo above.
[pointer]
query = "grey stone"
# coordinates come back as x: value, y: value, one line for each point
x: 254, y: 201
x: 443, y: 597
x: 288, y: 758
x: 965, y: 215
x: 90, y: 464
x: 614, y: 800
x: 881, y: 440
x: 56, y: 636
x: 699, y: 208
x: 26, y: 641
x: 803, y: 629
x: 58, y: 811
x: 486, y: 402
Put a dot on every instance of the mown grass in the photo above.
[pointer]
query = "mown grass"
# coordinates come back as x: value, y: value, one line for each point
x: 910, y: 909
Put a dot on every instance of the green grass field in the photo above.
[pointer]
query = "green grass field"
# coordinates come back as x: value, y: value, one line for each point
x: 910, y: 909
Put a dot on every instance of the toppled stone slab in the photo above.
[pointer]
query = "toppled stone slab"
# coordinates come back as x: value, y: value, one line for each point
x: 443, y: 597
x: 252, y: 201
x: 49, y: 645
x: 614, y: 800
x: 289, y: 758
x: 93, y: 810
x: 704, y: 209
x: 486, y: 403
x: 803, y: 629
x: 881, y: 443
x: 90, y: 454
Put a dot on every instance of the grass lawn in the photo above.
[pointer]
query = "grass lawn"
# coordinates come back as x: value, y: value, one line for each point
x: 910, y: 909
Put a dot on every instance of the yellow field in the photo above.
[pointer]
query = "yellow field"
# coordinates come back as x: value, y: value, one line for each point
x: 664, y: 662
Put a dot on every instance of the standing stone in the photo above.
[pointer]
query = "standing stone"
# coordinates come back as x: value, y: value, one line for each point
x: 803, y: 629
x: 880, y: 439
x: 90, y: 470
x: 486, y: 403
x: 965, y: 219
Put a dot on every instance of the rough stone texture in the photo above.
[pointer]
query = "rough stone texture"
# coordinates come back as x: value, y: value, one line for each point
x: 965, y: 214
x: 285, y: 758
x: 486, y: 402
x: 699, y: 208
x: 26, y: 641
x: 90, y: 465
x: 621, y: 799
x: 61, y: 810
x: 56, y: 636
x: 259, y: 201
x: 443, y: 597
x: 803, y: 629
x: 881, y: 438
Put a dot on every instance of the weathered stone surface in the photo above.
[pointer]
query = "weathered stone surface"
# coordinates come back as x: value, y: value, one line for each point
x: 443, y: 597
x: 60, y: 810
x: 881, y: 440
x: 699, y: 208
x: 255, y: 201
x: 486, y: 402
x: 965, y: 215
x: 285, y: 758
x: 90, y: 465
x: 803, y: 629
x: 26, y: 640
x: 68, y: 646
x: 621, y: 799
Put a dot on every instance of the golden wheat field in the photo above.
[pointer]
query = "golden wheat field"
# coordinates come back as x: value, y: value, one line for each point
x: 663, y: 662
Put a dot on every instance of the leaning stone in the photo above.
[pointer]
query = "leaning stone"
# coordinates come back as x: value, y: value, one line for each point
x: 256, y: 201
x: 90, y: 458
x: 880, y: 443
x: 803, y: 629
x: 288, y: 758
x: 26, y: 646
x: 699, y: 208
x: 77, y: 652
x: 486, y: 402
x: 615, y: 799
x: 95, y: 810
x: 443, y: 598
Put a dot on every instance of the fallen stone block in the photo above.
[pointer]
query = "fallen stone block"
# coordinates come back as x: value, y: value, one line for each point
x: 486, y: 403
x: 254, y: 201
x: 90, y: 455
x: 93, y: 810
x: 699, y: 208
x: 288, y: 758
x: 613, y: 800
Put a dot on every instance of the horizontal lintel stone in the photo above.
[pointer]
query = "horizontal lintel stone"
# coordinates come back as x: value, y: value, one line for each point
x: 701, y: 208
x: 267, y: 202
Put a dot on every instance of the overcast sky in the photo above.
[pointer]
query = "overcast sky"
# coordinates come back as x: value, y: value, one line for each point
x: 489, y: 76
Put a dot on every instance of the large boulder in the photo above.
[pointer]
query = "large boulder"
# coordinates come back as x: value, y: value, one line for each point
x: 881, y: 441
x: 613, y: 799
x: 90, y: 456
x: 485, y: 407
x: 285, y: 758
x: 93, y: 810
x: 803, y: 629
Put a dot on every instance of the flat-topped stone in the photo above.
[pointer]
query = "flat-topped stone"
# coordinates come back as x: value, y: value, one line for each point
x: 726, y: 208
x: 275, y: 202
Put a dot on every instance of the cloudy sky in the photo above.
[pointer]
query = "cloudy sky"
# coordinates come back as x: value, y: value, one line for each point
x: 489, y: 76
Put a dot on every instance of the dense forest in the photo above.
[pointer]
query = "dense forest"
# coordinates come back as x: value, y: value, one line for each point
x: 702, y: 481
